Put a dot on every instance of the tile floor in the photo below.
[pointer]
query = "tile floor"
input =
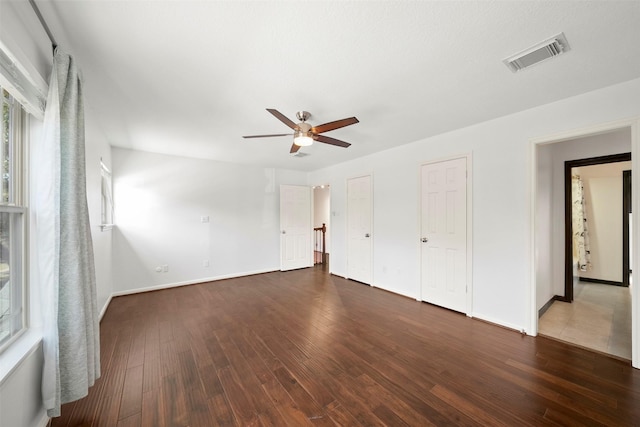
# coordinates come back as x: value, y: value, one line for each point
x: 599, y: 318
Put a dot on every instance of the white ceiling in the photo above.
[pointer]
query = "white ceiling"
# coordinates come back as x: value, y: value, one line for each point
x: 191, y: 77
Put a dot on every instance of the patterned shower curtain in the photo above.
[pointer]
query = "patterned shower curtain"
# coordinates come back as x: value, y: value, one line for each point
x: 581, y: 249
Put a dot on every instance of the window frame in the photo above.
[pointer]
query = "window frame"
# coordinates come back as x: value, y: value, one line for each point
x: 16, y: 207
x: 106, y: 198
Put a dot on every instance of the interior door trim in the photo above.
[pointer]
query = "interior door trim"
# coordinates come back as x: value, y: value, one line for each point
x: 626, y: 210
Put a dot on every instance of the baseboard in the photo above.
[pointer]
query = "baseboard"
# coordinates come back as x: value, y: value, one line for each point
x: 391, y: 291
x: 600, y: 281
x: 189, y: 282
x: 44, y: 420
x: 104, y: 308
x: 489, y: 319
x: 545, y: 307
x: 477, y: 316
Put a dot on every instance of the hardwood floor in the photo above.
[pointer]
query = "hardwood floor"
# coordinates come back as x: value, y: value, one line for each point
x: 305, y: 348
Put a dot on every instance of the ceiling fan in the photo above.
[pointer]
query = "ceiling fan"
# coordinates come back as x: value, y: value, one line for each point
x: 304, y: 134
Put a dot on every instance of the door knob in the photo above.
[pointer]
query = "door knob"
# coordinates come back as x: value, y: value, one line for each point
x: 424, y: 240
x: 366, y: 235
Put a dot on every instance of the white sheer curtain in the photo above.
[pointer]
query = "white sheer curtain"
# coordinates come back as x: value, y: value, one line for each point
x: 65, y: 252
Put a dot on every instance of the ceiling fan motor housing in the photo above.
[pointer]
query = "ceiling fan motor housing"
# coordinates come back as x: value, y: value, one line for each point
x: 303, y: 115
x: 304, y: 129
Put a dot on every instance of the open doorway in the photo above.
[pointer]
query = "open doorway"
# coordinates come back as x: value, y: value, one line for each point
x: 571, y: 309
x: 594, y: 221
x: 321, y: 225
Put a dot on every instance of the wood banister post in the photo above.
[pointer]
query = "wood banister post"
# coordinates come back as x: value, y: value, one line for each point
x: 324, y: 248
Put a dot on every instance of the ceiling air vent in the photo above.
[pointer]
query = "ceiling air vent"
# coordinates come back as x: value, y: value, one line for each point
x: 538, y: 53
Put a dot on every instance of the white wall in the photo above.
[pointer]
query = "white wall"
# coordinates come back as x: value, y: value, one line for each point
x: 20, y: 398
x: 322, y: 213
x: 501, y: 151
x: 603, y: 197
x: 604, y: 214
x: 544, y: 226
x: 159, y: 202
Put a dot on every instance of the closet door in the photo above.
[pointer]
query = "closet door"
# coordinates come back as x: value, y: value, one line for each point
x: 295, y: 227
x: 359, y: 231
x: 444, y: 234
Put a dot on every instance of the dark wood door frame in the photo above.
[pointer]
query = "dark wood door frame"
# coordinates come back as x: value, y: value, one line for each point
x: 568, y: 227
x: 626, y: 210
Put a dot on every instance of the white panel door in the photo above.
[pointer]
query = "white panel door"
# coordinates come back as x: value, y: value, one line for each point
x: 359, y: 228
x: 295, y: 227
x: 444, y: 234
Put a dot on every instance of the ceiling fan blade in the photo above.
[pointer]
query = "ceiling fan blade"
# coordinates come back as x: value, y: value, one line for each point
x: 267, y: 136
x: 294, y: 148
x: 283, y: 118
x: 334, y: 125
x: 332, y: 141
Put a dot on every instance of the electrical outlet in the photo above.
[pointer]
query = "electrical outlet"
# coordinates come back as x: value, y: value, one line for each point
x: 165, y: 268
x: 205, y: 263
x: 204, y: 218
x: 158, y: 269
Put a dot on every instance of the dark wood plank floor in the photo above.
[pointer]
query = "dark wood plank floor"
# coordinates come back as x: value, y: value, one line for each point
x: 306, y: 348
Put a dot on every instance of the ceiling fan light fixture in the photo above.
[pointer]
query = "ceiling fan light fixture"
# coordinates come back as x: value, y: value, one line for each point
x: 302, y: 139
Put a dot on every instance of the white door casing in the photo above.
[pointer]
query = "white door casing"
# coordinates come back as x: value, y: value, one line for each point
x: 359, y: 229
x: 295, y: 227
x: 444, y: 234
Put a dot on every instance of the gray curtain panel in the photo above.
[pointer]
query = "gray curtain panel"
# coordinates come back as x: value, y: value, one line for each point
x: 72, y: 367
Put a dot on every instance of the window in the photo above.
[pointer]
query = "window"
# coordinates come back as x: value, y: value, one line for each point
x: 107, y: 198
x: 12, y: 221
